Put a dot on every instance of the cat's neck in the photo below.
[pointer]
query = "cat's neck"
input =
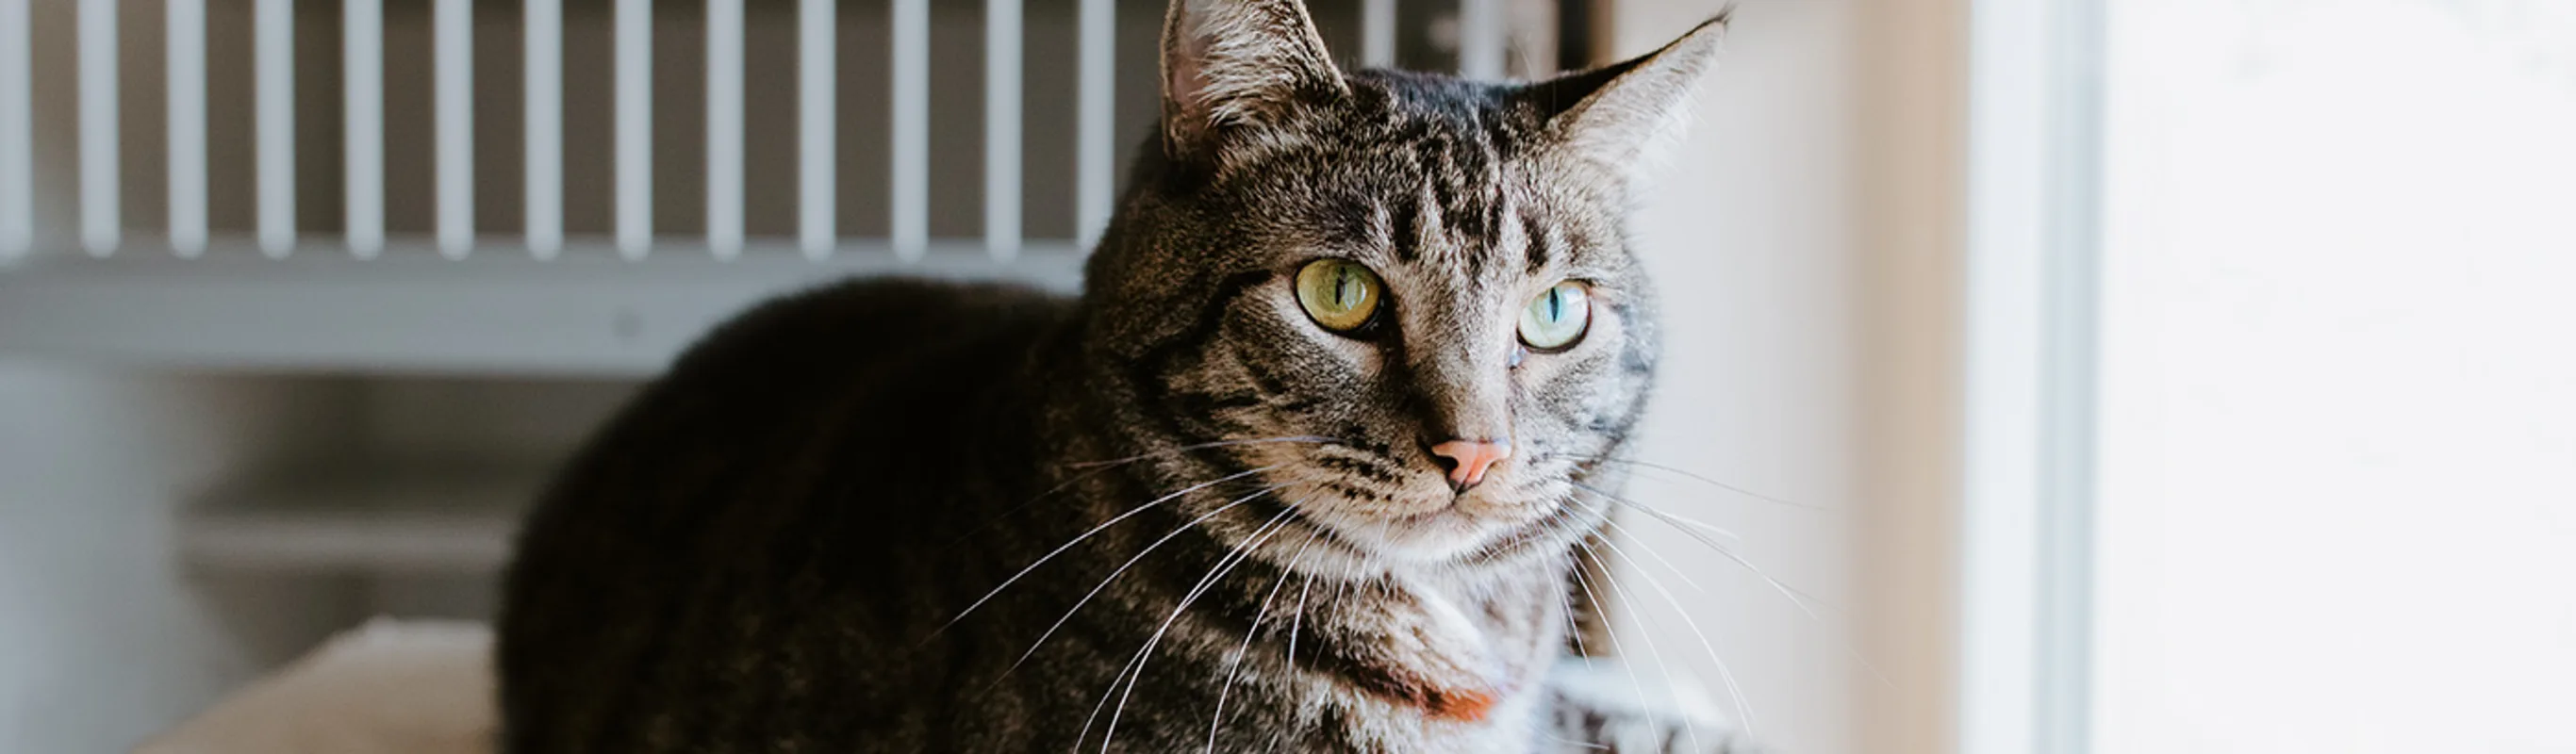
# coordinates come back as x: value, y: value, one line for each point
x: 1450, y: 645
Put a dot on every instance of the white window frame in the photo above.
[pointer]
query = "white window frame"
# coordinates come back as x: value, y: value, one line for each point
x: 2033, y: 252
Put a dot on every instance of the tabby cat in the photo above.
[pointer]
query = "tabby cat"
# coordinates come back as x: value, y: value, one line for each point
x: 1304, y: 468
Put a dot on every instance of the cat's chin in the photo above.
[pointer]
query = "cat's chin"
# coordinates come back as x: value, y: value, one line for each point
x: 1438, y: 537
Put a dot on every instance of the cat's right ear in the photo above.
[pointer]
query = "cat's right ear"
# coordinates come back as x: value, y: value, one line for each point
x: 1234, y: 67
x: 1618, y: 120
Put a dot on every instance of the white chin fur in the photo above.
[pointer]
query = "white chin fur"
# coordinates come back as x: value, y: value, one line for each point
x: 1431, y: 538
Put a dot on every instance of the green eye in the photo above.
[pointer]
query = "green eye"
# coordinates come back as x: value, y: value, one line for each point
x: 1557, y: 319
x: 1340, y: 294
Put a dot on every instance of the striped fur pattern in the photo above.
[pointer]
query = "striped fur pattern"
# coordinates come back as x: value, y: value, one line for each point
x: 1174, y: 514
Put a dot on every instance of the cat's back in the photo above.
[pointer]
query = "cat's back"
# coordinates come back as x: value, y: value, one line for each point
x: 832, y: 333
x: 864, y: 375
x: 715, y: 530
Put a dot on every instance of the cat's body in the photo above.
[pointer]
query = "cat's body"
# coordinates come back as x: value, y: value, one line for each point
x: 778, y: 624
x: 1174, y: 514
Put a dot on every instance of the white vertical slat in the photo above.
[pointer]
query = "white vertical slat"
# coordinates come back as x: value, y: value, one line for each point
x: 1095, y: 121
x: 1377, y: 33
x: 273, y: 55
x: 543, y: 25
x: 818, y: 152
x: 17, y: 133
x: 362, y: 67
x: 1002, y: 128
x: 911, y: 156
x: 453, y: 24
x: 724, y: 128
x: 185, y: 69
x: 634, y: 127
x: 1480, y: 39
x: 98, y: 130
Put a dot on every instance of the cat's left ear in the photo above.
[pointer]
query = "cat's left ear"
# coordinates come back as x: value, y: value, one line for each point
x: 1617, y: 120
x: 1237, y: 66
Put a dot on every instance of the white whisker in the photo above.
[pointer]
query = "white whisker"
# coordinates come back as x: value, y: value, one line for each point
x: 1653, y: 648
x: 1197, y: 447
x: 1615, y: 650
x: 1573, y: 626
x: 1704, y: 480
x: 1235, y: 556
x: 1304, y: 587
x: 1235, y: 670
x: 1096, y: 468
x: 1797, y: 597
x: 1677, y: 518
x: 1042, y: 560
x: 1743, y: 705
x: 1122, y: 569
x: 1659, y: 558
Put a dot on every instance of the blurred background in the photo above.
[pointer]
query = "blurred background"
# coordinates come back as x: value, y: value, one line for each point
x: 2069, y: 375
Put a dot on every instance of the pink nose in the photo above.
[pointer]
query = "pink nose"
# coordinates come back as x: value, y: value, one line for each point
x: 1471, y: 459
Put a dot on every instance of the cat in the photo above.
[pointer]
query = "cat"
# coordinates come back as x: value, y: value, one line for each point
x: 1305, y: 467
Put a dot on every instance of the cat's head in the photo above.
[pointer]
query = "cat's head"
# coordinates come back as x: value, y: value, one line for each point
x: 1404, y: 304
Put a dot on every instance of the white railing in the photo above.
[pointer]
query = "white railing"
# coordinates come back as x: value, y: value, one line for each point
x: 178, y: 212
x: 103, y: 227
x: 362, y: 65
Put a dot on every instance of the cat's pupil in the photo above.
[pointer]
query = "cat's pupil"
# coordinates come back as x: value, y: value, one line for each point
x: 1555, y: 305
x: 1346, y: 288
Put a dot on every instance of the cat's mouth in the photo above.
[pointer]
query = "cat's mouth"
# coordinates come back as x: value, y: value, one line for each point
x: 1438, y: 528
x: 1378, y: 507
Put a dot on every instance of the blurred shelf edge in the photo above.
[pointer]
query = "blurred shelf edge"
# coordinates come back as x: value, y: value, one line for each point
x: 587, y: 312
x: 457, y: 524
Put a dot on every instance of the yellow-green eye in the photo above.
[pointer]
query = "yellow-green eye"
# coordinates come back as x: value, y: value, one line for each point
x: 1340, y: 294
x: 1556, y: 319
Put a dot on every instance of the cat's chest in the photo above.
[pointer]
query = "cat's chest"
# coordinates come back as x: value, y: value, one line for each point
x: 1459, y: 670
x: 1512, y: 722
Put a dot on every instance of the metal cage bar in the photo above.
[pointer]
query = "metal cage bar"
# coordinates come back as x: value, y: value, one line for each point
x: 1002, y: 40
x: 362, y: 54
x: 273, y: 97
x: 100, y: 229
x: 634, y: 128
x: 454, y: 89
x: 17, y: 133
x: 1096, y: 123
x: 724, y: 128
x: 184, y: 35
x: 817, y: 143
x: 910, y: 187
x: 1377, y: 33
x: 542, y: 24
x: 1480, y: 39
